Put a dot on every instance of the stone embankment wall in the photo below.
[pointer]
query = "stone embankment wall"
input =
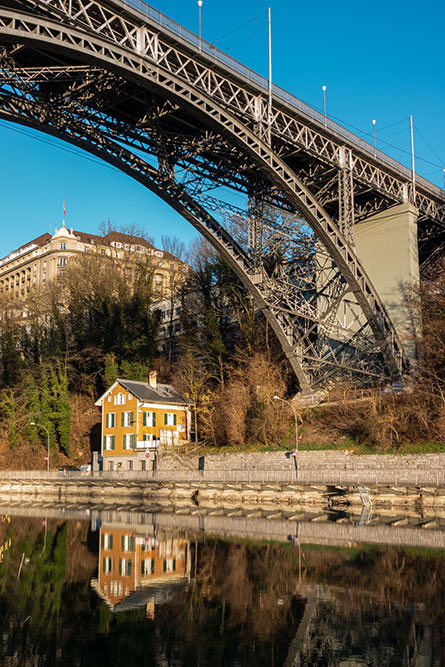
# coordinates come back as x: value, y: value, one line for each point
x: 339, y: 460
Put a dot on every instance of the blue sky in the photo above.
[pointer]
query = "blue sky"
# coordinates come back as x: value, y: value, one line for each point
x: 380, y: 60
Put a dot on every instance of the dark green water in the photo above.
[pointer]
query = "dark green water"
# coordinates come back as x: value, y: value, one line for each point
x: 109, y: 592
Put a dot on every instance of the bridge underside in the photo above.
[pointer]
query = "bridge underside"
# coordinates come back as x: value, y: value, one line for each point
x: 281, y: 215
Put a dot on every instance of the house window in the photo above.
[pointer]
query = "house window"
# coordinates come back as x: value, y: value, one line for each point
x: 127, y: 418
x: 125, y: 566
x: 170, y: 419
x: 107, y: 541
x: 130, y: 465
x: 110, y: 420
x: 63, y: 246
x: 116, y: 588
x: 147, y: 566
x: 127, y: 543
x: 120, y: 399
x: 109, y: 442
x: 129, y: 441
x: 149, y: 419
x: 107, y: 565
x: 169, y: 565
x: 62, y: 261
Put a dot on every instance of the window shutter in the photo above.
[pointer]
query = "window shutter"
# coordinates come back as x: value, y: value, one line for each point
x: 113, y: 420
x: 123, y: 542
x: 129, y: 567
x: 122, y: 418
x: 165, y: 566
x: 142, y: 566
x: 123, y: 440
x: 102, y: 541
x: 112, y: 442
x: 154, y: 418
x: 174, y: 565
x: 165, y: 418
x: 105, y: 442
x: 120, y: 565
x: 106, y: 420
x: 133, y: 441
x: 104, y: 564
x: 152, y: 565
x: 144, y: 419
x: 174, y: 420
x: 131, y: 419
x: 132, y: 543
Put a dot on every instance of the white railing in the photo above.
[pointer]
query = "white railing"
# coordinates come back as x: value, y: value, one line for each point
x: 223, y: 58
x: 433, y: 478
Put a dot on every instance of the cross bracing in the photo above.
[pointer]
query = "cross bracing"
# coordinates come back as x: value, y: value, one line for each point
x: 120, y: 85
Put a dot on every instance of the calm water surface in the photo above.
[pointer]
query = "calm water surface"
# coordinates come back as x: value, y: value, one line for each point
x: 115, y: 589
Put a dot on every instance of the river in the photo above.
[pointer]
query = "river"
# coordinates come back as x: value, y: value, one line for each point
x: 172, y: 587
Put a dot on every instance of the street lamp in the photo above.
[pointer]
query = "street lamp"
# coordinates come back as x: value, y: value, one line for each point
x: 199, y: 5
x: 277, y: 398
x: 373, y: 131
x: 324, y: 105
x: 47, y: 433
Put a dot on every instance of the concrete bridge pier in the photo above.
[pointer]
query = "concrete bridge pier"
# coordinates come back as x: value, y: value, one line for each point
x: 386, y: 244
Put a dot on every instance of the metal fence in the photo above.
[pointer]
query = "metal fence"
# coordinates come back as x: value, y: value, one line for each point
x: 222, y: 58
x: 431, y: 478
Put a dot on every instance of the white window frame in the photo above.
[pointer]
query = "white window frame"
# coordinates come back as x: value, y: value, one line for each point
x: 108, y: 569
x: 170, y: 419
x: 108, y: 543
x: 149, y: 419
x: 108, y: 442
x: 120, y: 399
x: 127, y: 440
x: 110, y: 420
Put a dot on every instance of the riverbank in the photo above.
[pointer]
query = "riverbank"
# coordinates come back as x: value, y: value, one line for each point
x: 259, y: 480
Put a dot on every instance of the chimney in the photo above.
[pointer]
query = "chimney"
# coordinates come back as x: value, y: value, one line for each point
x: 152, y: 379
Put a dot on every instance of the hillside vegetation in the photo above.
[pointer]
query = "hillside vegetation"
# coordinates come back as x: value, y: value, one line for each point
x: 103, y: 324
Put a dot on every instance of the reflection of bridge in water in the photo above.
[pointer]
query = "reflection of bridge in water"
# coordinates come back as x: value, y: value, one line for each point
x: 326, y: 229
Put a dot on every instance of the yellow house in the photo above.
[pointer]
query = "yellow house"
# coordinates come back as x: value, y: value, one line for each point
x: 139, y: 416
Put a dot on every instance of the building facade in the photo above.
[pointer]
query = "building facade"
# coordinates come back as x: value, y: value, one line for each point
x: 46, y: 258
x: 137, y: 417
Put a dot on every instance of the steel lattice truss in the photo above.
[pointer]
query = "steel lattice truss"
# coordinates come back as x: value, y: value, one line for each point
x: 276, y: 194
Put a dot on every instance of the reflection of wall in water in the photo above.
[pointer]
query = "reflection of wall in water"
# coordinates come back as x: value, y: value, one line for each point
x: 138, y: 568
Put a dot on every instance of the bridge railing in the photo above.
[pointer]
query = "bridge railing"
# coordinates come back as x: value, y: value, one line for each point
x: 427, y: 478
x: 260, y: 81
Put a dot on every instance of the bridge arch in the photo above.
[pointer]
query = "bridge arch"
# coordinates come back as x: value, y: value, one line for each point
x: 25, y: 106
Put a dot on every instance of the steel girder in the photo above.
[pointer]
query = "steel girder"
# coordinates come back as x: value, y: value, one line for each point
x: 301, y: 303
x: 117, y: 23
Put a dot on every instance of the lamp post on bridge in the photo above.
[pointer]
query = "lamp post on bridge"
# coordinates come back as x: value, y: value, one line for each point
x: 47, y: 433
x: 295, y: 451
x: 373, y: 132
x: 199, y: 9
x: 324, y: 105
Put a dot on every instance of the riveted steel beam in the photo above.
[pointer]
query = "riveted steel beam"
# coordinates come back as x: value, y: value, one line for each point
x: 307, y: 325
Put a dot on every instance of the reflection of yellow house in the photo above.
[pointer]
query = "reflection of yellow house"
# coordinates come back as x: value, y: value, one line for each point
x: 138, y: 569
x: 136, y: 418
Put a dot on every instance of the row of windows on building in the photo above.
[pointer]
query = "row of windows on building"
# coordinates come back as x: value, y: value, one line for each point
x: 147, y: 566
x: 128, y: 441
x: 148, y: 419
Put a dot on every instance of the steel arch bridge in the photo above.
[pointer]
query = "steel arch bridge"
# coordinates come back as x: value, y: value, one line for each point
x: 269, y: 182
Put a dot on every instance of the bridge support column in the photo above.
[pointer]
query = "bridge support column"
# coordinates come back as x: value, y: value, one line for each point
x: 386, y: 244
